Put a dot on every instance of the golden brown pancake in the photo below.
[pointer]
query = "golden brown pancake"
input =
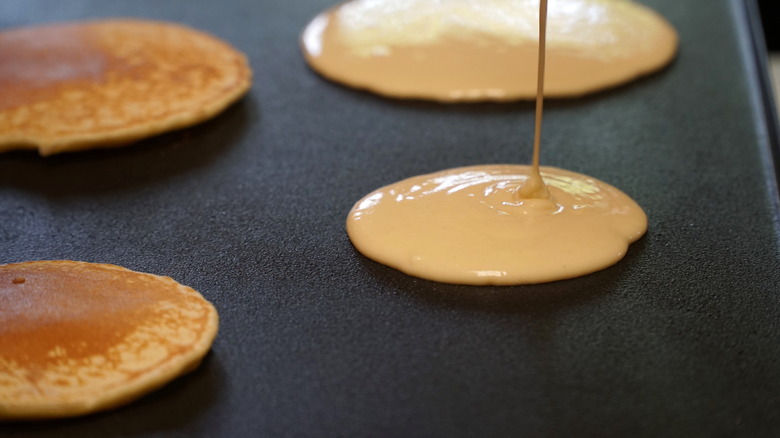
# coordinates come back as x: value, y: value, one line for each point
x: 79, y: 337
x: 461, y: 50
x: 80, y: 85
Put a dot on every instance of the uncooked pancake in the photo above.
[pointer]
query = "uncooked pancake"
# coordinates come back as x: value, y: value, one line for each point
x: 498, y: 224
x: 79, y: 85
x: 461, y: 50
x: 469, y: 225
x: 80, y: 337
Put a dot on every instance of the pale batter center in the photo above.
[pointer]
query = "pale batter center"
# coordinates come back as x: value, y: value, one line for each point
x: 467, y: 226
x: 461, y: 50
x: 498, y: 224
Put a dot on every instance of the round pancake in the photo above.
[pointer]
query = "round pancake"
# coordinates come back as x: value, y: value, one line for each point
x: 79, y: 85
x: 79, y: 337
x: 461, y: 50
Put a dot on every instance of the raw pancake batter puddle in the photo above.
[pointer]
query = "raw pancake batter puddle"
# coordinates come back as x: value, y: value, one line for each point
x: 498, y: 224
x: 460, y: 50
x: 468, y: 226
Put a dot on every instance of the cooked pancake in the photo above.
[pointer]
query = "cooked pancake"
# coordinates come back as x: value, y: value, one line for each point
x: 460, y: 50
x: 80, y: 85
x: 79, y: 337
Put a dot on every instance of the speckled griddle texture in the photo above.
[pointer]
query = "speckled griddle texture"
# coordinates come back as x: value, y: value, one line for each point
x: 681, y: 338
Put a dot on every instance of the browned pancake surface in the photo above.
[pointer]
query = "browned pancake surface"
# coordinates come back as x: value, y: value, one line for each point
x: 78, y: 85
x: 78, y: 337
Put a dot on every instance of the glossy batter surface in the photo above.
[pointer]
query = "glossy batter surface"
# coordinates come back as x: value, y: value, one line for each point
x: 470, y: 226
x: 459, y: 50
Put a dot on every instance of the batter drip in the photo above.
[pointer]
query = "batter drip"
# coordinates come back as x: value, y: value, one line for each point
x: 498, y: 224
x: 468, y: 226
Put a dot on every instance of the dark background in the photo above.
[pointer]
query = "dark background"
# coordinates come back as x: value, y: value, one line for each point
x: 681, y: 338
x: 770, y: 19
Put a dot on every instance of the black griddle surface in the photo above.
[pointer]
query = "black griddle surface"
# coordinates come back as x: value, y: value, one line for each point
x: 681, y: 338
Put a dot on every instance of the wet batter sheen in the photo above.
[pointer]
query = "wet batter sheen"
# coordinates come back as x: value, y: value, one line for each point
x: 461, y: 50
x: 469, y: 225
x: 498, y: 224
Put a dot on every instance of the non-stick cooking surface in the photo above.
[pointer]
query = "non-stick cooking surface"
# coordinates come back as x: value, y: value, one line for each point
x: 681, y: 338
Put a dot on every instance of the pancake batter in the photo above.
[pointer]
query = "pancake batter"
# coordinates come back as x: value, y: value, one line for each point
x: 498, y: 224
x: 460, y: 50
